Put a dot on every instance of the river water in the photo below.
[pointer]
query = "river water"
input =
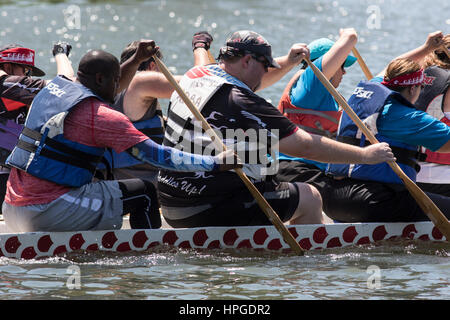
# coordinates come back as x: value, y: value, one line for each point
x: 406, y: 270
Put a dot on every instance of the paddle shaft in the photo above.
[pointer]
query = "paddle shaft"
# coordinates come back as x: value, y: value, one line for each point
x: 430, y: 209
x: 211, y: 57
x: 362, y: 64
x: 262, y: 202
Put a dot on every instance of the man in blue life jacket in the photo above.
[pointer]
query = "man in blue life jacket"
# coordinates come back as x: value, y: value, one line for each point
x: 67, y: 130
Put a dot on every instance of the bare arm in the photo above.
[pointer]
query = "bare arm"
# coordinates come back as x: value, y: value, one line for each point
x: 296, y: 54
x: 305, y: 145
x: 201, y: 42
x: 61, y: 51
x: 64, y: 66
x: 433, y: 42
x: 201, y: 57
x: 336, y: 56
x: 445, y: 148
x: 145, y: 50
x: 143, y: 89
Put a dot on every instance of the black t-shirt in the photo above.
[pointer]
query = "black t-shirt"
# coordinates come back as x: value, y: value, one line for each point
x: 17, y: 93
x: 231, y: 107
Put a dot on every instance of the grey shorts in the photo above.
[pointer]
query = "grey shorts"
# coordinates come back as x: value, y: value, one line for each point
x: 95, y: 206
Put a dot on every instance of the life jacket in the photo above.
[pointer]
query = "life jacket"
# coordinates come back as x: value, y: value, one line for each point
x: 431, y: 100
x: 185, y: 132
x: 42, y: 150
x: 324, y: 123
x: 368, y: 101
x: 151, y: 124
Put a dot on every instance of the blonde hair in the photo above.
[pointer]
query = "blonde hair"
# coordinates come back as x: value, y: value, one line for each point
x: 438, y: 57
x: 400, y: 67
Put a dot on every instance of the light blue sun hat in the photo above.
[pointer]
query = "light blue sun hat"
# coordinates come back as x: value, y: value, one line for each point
x: 319, y: 47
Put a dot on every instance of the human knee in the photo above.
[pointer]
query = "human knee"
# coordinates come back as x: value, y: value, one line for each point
x: 309, y: 195
x: 309, y: 210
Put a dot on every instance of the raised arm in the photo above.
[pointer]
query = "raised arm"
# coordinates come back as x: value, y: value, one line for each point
x: 143, y: 89
x: 61, y: 51
x: 201, y: 42
x: 145, y: 50
x: 433, y: 42
x: 296, y: 54
x: 336, y: 56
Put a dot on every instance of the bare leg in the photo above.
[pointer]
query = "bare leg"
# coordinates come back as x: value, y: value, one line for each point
x: 309, y: 209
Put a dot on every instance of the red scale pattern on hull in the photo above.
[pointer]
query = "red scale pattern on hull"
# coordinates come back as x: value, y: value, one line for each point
x: 44, y: 243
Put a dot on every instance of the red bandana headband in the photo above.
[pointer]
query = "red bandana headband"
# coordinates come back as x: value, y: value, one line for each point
x: 18, y: 55
x: 410, y: 79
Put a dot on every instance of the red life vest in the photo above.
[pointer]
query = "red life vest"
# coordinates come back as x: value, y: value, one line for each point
x: 324, y: 123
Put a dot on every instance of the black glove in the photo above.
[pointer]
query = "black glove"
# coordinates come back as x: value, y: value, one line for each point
x: 201, y: 40
x: 61, y: 47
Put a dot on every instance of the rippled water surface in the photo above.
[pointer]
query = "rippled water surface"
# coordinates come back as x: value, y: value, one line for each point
x: 401, y: 270
x: 407, y: 270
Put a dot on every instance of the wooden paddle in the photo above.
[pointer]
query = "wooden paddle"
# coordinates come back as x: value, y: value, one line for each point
x: 262, y: 202
x: 211, y: 57
x: 362, y: 64
x: 431, y: 210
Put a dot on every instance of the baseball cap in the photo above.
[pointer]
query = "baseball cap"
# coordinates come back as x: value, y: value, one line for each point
x: 319, y: 47
x: 249, y: 42
x: 14, y: 53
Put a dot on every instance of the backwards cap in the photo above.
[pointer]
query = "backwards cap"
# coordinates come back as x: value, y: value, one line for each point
x: 249, y: 42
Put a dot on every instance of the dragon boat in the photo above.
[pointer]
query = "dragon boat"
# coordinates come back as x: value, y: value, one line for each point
x: 35, y: 245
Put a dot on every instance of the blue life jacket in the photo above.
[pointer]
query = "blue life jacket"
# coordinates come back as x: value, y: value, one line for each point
x: 368, y: 101
x: 42, y: 150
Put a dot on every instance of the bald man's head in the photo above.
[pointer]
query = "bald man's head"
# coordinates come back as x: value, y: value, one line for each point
x: 100, y: 71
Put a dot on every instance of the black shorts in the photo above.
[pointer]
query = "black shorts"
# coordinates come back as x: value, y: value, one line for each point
x: 239, y: 208
x: 442, y: 189
x: 351, y: 200
x: 297, y: 171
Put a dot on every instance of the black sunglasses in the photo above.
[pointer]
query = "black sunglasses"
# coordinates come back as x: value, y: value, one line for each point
x: 27, y: 71
x: 266, y: 63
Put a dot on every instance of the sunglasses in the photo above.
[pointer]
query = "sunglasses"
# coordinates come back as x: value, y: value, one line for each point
x: 27, y: 71
x: 266, y: 63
